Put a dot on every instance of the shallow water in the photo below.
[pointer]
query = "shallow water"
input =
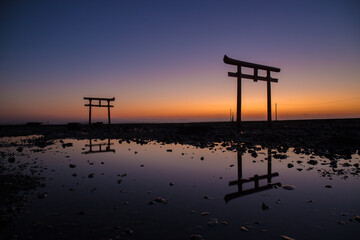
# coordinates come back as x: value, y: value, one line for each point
x: 116, y: 202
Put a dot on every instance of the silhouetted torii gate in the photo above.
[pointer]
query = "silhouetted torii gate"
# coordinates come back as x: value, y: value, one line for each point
x: 240, y: 181
x: 99, y: 105
x: 99, y: 145
x: 239, y: 75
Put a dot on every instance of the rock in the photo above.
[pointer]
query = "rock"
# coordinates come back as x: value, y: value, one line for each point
x: 224, y: 222
x: 288, y: 187
x: 290, y: 165
x: 328, y: 186
x: 286, y: 237
x: 264, y: 206
x: 74, y: 175
x: 160, y: 200
x: 19, y: 149
x: 128, y: 231
x: 42, y: 195
x: 205, y: 213
x: 207, y: 197
x: 202, y: 158
x: 169, y: 150
x: 64, y: 145
x: 11, y: 159
x: 213, y: 222
x: 72, y: 166
x: 91, y: 175
x: 341, y: 222
x: 171, y: 184
x: 81, y: 213
x: 254, y: 154
x: 196, y: 237
x: 357, y: 218
x: 313, y: 162
x: 244, y: 229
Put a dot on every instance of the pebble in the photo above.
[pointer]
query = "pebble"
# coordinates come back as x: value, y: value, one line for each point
x: 205, y: 213
x: 91, y: 175
x: 328, y: 186
x: 196, y: 237
x: 286, y: 237
x: 244, y: 229
x: 213, y: 222
x: 171, y: 184
x: 264, y: 206
x: 72, y: 165
x: 202, y: 158
x: 290, y: 165
x: 288, y: 187
x: 208, y: 197
x: 169, y: 150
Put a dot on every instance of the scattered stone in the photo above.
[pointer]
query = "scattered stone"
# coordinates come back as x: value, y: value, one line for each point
x: 169, y: 150
x: 208, y: 197
x: 64, y: 145
x: 202, y: 158
x: 72, y: 165
x: 290, y: 165
x: 264, y: 206
x: 341, y: 222
x: 309, y: 201
x: 171, y: 184
x: 286, y: 237
x: 196, y: 237
x: 357, y: 218
x: 224, y: 222
x: 74, y: 175
x: 313, y: 162
x: 213, y: 222
x: 328, y: 186
x: 11, y: 159
x: 257, y: 222
x: 205, y: 213
x: 288, y: 187
x: 91, y: 175
x: 142, y: 165
x: 244, y: 229
x: 42, y: 195
x: 128, y: 231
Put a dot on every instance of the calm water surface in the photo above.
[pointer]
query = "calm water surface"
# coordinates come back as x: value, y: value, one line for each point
x: 111, y: 194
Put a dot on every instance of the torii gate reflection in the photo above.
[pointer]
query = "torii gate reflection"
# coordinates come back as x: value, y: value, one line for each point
x: 254, y: 179
x: 91, y: 145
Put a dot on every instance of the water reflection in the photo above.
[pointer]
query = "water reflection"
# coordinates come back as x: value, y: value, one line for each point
x: 241, y: 181
x: 99, y: 145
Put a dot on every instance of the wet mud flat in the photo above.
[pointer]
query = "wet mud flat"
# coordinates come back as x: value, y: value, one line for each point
x: 329, y: 137
x: 295, y: 180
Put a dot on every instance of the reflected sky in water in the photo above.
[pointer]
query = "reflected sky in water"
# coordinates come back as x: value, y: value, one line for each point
x: 126, y: 177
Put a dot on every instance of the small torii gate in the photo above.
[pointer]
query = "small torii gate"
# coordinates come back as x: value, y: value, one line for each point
x: 99, y: 105
x: 239, y: 75
x: 99, y: 145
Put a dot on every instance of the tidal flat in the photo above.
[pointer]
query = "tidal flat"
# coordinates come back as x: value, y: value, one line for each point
x: 184, y: 182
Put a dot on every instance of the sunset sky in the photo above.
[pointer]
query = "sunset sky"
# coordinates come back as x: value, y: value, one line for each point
x: 163, y: 60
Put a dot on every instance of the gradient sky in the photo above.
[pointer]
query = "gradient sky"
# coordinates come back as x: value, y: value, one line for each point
x: 162, y: 60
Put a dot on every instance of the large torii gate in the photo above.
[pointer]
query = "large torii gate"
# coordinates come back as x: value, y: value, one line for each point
x: 239, y: 75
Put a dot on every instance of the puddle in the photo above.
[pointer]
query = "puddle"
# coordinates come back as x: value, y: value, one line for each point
x: 106, y: 189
